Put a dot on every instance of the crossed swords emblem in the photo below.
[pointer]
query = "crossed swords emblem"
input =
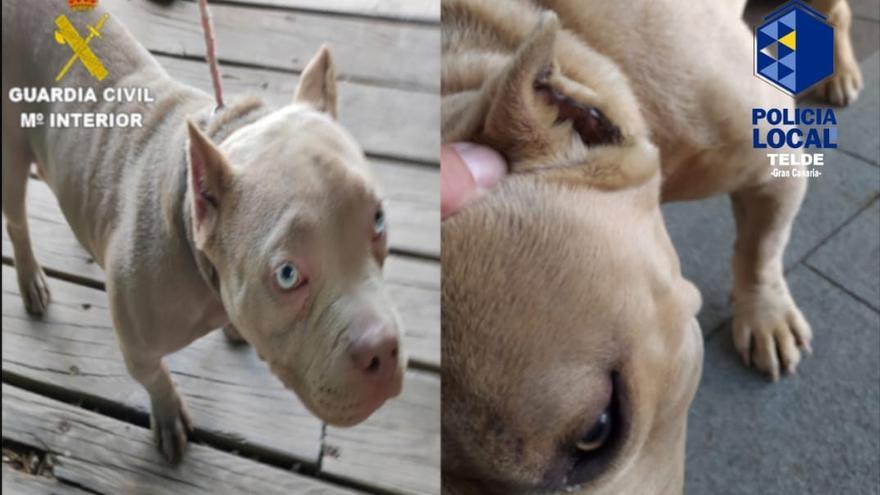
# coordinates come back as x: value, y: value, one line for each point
x: 67, y: 34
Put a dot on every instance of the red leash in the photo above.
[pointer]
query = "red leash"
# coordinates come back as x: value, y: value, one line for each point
x: 210, y: 49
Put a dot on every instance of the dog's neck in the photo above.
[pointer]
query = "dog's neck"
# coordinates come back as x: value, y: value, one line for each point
x: 217, y: 124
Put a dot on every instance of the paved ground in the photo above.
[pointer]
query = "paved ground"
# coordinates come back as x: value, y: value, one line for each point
x: 819, y: 431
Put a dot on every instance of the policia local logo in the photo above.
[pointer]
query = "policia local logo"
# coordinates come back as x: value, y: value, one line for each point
x: 794, y: 48
x: 794, y: 51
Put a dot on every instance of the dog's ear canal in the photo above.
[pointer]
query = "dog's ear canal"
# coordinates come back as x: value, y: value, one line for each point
x: 209, y: 176
x: 317, y: 85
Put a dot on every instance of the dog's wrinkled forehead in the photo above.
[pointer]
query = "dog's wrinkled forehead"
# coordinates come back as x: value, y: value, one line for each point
x: 521, y: 277
x: 537, y: 246
x: 299, y: 153
x: 300, y: 168
x: 289, y: 133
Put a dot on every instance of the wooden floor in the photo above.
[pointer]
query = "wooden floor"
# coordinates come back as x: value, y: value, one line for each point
x: 67, y: 398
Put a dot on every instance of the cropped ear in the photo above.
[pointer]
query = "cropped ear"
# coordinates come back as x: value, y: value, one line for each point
x: 516, y: 108
x: 515, y: 102
x: 317, y: 85
x: 507, y: 103
x: 209, y: 177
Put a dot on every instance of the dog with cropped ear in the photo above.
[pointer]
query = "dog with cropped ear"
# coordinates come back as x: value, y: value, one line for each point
x: 570, y: 348
x: 266, y: 221
x: 544, y: 120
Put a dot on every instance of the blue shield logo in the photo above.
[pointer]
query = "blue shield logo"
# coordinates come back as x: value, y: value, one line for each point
x: 794, y: 48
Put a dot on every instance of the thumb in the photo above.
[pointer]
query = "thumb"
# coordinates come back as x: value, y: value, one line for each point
x: 467, y: 169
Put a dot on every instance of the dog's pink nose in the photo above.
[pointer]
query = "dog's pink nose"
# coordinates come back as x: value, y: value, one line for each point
x: 375, y: 351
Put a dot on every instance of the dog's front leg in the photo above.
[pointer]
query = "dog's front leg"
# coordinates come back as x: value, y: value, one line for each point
x: 143, y: 347
x: 769, y: 330
x: 169, y: 417
x: 17, y: 160
x: 843, y: 87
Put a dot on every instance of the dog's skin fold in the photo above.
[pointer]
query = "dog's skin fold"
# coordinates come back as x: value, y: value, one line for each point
x: 563, y: 302
x: 263, y: 221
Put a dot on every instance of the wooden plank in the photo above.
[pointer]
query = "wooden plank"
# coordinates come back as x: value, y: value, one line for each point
x: 414, y: 287
x: 398, y: 449
x: 110, y: 456
x: 414, y: 284
x: 412, y: 198
x: 372, y: 50
x: 19, y: 483
x: 405, y: 10
x: 386, y: 121
x: 229, y: 391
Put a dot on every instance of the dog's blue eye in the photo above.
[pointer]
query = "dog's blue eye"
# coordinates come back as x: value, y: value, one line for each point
x: 287, y: 276
x: 379, y: 223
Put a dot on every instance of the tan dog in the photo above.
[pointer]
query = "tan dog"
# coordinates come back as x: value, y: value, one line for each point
x: 561, y: 292
x: 571, y: 352
x: 268, y: 220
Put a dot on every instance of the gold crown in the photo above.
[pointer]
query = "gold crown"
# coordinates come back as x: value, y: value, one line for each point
x: 82, y: 5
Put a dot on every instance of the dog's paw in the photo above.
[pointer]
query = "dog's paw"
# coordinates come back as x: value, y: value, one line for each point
x: 769, y: 332
x: 34, y: 290
x: 170, y: 425
x: 843, y: 87
x: 232, y: 334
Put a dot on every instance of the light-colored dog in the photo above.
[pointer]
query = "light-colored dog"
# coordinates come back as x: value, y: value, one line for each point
x: 268, y: 220
x: 570, y: 352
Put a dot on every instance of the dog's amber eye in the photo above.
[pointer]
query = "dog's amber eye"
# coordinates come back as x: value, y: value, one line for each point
x: 598, y: 434
x: 597, y: 443
x: 379, y: 223
x: 287, y: 276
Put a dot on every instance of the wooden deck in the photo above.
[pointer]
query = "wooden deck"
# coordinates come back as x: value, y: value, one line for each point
x: 67, y: 397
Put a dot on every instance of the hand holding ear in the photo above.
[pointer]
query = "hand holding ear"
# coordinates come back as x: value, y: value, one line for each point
x: 466, y: 171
